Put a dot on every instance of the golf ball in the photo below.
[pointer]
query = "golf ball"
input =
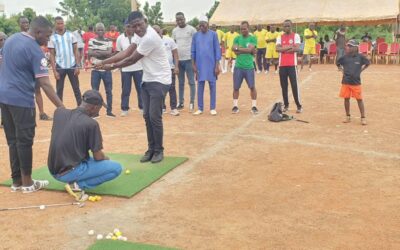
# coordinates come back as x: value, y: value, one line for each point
x: 98, y: 198
x: 124, y: 238
x: 120, y: 237
x: 118, y: 234
x: 127, y: 171
x: 116, y: 230
x: 99, y: 236
x: 108, y: 237
x: 42, y: 207
x: 91, y: 232
x: 114, y: 238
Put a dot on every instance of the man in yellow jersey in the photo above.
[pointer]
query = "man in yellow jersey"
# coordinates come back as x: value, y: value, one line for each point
x: 310, y: 36
x: 260, y: 34
x: 220, y: 35
x: 272, y: 55
x: 229, y: 54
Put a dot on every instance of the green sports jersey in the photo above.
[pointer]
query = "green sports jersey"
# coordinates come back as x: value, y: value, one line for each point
x: 245, y: 61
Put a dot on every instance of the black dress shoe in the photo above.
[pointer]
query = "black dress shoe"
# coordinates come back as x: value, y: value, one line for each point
x: 157, y: 157
x: 147, y: 156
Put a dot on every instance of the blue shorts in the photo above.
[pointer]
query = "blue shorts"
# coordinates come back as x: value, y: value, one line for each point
x: 243, y: 74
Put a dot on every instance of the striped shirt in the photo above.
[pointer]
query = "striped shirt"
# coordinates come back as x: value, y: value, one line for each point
x: 102, y: 45
x: 64, y: 48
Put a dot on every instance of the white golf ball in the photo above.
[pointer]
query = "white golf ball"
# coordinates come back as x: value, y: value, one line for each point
x: 108, y: 237
x: 42, y: 207
x: 91, y: 232
x: 120, y: 238
x: 116, y: 230
x: 124, y: 238
x: 99, y: 236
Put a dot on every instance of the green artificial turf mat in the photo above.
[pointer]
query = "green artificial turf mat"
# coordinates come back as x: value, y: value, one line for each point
x: 124, y: 245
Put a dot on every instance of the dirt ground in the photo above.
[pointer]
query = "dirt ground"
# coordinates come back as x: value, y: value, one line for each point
x: 249, y: 183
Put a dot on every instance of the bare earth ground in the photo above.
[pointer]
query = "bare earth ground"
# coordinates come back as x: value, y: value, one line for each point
x: 249, y: 184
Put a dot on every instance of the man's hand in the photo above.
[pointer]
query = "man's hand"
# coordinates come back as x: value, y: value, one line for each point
x: 56, y: 75
x: 76, y: 71
x: 217, y: 70
x: 106, y: 67
x: 176, y: 70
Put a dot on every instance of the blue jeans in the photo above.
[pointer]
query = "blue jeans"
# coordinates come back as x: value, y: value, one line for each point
x: 186, y: 66
x: 89, y: 174
x: 127, y: 87
x: 213, y: 95
x: 97, y: 76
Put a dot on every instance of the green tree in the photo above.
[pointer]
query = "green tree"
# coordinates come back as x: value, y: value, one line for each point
x: 153, y: 13
x: 210, y: 13
x: 8, y: 25
x: 194, y: 22
x: 28, y: 13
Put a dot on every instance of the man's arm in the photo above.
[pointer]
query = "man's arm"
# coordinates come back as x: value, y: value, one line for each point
x: 125, y: 54
x: 44, y: 83
x: 176, y: 60
x: 132, y: 59
x: 77, y: 59
x: 100, y: 156
x: 53, y: 63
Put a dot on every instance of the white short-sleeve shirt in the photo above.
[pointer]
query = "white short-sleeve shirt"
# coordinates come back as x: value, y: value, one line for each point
x: 170, y: 45
x: 123, y: 42
x: 155, y: 63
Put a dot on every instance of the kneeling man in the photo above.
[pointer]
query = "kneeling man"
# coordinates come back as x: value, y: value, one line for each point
x: 74, y: 133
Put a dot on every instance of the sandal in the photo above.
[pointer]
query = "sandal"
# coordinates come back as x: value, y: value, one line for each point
x: 79, y: 196
x: 37, y: 185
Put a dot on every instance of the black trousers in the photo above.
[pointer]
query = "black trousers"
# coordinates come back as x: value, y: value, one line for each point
x: 172, y: 94
x: 19, y: 127
x: 261, y: 60
x: 74, y: 83
x: 289, y: 73
x: 153, y: 94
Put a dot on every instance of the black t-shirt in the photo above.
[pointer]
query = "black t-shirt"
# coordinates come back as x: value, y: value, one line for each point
x: 74, y: 133
x: 352, y: 68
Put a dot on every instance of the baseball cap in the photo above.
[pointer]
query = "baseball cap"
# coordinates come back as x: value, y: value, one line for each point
x: 93, y: 97
x: 352, y: 43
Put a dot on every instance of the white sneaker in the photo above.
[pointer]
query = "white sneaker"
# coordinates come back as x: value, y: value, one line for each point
x: 213, y: 112
x: 191, y: 108
x: 174, y: 112
x: 124, y: 113
x: 266, y: 72
x: 258, y: 72
x: 198, y: 112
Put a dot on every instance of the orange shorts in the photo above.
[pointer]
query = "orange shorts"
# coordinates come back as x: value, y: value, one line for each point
x: 348, y: 91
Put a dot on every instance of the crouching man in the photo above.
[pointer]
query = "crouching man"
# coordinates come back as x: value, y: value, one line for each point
x: 74, y: 133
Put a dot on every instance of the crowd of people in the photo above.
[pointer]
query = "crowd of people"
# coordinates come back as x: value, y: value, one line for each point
x: 152, y: 60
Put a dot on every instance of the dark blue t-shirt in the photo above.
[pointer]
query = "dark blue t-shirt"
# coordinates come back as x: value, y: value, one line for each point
x: 23, y: 62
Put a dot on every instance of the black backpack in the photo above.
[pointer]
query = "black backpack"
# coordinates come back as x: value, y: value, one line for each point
x: 276, y: 114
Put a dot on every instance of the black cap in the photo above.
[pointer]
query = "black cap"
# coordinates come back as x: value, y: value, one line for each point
x: 352, y: 43
x: 93, y: 97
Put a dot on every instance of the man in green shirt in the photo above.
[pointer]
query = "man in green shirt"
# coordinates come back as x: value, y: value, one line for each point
x: 244, y: 47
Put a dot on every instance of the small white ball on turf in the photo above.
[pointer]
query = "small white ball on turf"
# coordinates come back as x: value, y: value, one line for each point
x: 91, y: 232
x: 108, y: 237
x: 116, y: 231
x: 42, y: 207
x: 99, y: 236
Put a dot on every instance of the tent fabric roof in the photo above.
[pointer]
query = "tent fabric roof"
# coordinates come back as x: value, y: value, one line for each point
x: 356, y: 12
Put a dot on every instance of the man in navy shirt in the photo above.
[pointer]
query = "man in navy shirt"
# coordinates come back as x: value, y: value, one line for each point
x: 24, y: 67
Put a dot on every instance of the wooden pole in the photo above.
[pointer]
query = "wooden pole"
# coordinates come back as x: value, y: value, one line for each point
x: 134, y: 5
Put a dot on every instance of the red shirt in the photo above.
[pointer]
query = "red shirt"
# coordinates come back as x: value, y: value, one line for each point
x: 113, y: 36
x: 286, y: 40
x: 86, y: 37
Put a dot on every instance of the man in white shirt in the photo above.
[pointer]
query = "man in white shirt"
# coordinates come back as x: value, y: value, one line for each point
x: 183, y: 34
x: 134, y: 71
x: 173, y: 59
x: 149, y: 49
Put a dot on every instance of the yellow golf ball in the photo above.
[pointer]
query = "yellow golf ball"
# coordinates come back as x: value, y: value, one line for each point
x: 98, y: 198
x: 118, y: 234
x: 114, y: 238
x: 127, y: 171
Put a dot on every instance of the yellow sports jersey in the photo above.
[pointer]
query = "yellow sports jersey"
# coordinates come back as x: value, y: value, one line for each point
x: 271, y: 46
x: 229, y: 38
x: 310, y: 42
x: 220, y: 35
x: 260, y: 35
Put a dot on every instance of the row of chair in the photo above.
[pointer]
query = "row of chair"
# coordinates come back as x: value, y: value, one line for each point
x: 384, y: 52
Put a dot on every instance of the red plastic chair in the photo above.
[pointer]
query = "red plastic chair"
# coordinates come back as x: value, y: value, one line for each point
x: 318, y: 52
x: 382, y: 51
x: 380, y: 40
x: 394, y: 53
x: 331, y: 52
x: 363, y: 48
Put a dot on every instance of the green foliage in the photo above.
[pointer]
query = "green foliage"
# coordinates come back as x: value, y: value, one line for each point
x: 194, y: 22
x: 8, y: 25
x: 212, y: 10
x: 29, y: 13
x: 82, y: 13
x: 153, y: 14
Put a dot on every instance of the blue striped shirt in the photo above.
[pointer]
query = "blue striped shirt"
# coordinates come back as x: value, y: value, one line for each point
x: 64, y: 48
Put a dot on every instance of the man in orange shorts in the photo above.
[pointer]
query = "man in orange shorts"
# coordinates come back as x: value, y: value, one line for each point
x: 352, y: 64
